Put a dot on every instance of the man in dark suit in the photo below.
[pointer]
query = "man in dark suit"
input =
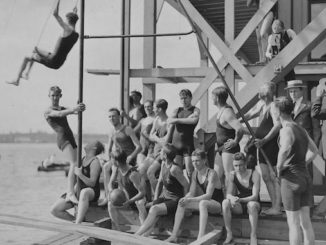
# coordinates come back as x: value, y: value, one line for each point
x: 302, y: 110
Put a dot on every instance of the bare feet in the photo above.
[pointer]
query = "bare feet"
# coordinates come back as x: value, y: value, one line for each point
x: 16, y: 83
x: 228, y: 240
x: 253, y: 240
x: 102, y: 202
x: 272, y: 211
x: 172, y: 239
x: 25, y: 76
x: 72, y: 198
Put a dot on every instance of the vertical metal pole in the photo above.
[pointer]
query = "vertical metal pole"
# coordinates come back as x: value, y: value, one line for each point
x: 122, y: 54
x: 81, y: 78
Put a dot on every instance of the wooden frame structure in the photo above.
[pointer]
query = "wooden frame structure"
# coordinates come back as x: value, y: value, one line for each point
x: 293, y: 13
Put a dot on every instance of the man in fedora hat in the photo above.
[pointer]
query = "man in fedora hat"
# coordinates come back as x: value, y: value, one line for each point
x: 302, y: 109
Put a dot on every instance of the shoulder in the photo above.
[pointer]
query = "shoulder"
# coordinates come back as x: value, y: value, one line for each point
x: 129, y: 130
x: 175, y: 170
x: 175, y: 112
x: 134, y: 175
x: 212, y: 175
x: 232, y: 174
x: 196, y: 109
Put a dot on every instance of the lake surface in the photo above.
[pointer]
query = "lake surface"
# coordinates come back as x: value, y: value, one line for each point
x: 27, y: 192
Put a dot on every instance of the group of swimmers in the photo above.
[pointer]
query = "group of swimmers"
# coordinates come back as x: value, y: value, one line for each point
x: 155, y: 163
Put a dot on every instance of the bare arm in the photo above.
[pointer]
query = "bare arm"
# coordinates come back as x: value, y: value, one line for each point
x: 254, y: 112
x: 178, y: 174
x: 269, y: 53
x: 255, y: 189
x: 231, y: 120
x: 56, y: 15
x: 139, y: 184
x: 95, y: 171
x: 135, y: 141
x: 159, y: 184
x: 312, y: 150
x: 230, y: 187
x: 191, y: 119
x: 192, y: 189
x: 62, y: 113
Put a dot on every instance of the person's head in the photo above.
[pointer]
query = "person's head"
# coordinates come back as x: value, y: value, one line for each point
x: 220, y: 95
x: 277, y: 26
x: 148, y: 107
x: 55, y: 93
x: 185, y: 97
x: 119, y: 158
x: 282, y: 107
x: 72, y: 18
x: 239, y: 162
x: 136, y: 96
x: 95, y: 148
x: 267, y: 91
x: 295, y: 89
x: 114, y: 116
x: 160, y: 106
x: 199, y: 159
x: 168, y: 153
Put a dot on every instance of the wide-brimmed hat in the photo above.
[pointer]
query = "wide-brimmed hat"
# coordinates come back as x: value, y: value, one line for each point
x: 295, y: 84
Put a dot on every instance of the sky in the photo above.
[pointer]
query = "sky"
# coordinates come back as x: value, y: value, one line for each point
x: 21, y: 22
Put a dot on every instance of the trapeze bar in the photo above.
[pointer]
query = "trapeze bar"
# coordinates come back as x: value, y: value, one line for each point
x: 141, y: 35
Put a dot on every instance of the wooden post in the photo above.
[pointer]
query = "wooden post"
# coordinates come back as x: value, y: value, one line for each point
x: 229, y: 37
x: 149, y: 53
x: 125, y: 55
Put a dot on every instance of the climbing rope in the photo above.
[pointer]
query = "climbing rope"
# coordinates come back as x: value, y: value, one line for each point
x: 46, y: 22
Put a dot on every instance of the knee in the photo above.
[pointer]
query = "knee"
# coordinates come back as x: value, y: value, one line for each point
x: 107, y: 167
x: 203, y: 205
x: 151, y: 173
x: 226, y: 205
x: 153, y: 210
x: 266, y: 177
x: 252, y: 207
x: 83, y: 196
x: 55, y: 211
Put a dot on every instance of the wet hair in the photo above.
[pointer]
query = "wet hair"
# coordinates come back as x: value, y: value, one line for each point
x: 72, y: 18
x: 161, y: 103
x: 136, y: 93
x: 55, y: 89
x: 199, y: 153
x: 185, y: 92
x: 131, y: 101
x: 99, y: 147
x: 284, y: 104
x: 268, y: 89
x: 170, y: 151
x: 239, y: 156
x: 113, y: 109
x: 119, y: 156
x: 221, y: 93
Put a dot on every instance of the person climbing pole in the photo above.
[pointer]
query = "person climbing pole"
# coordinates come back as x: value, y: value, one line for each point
x: 55, y: 59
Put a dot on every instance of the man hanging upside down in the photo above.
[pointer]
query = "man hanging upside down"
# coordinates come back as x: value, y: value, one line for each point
x: 63, y: 46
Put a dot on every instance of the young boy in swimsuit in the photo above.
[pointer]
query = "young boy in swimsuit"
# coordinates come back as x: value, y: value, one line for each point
x: 208, y: 200
x: 56, y: 116
x: 63, y: 46
x: 171, y: 186
x: 131, y: 182
x: 89, y: 175
x: 246, y: 183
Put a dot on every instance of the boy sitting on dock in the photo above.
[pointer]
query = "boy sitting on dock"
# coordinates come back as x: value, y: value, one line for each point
x: 89, y: 175
x: 131, y: 183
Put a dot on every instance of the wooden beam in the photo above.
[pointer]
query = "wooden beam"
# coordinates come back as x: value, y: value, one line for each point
x: 149, y: 51
x: 209, y: 238
x: 159, y: 7
x: 298, y: 48
x: 216, y: 40
x: 240, y: 39
x: 90, y: 231
x: 210, y: 78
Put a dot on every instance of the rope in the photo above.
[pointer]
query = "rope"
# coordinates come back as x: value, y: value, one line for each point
x: 46, y: 22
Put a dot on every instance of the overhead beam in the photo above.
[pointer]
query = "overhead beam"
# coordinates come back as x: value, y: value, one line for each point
x: 296, y: 50
x: 228, y: 55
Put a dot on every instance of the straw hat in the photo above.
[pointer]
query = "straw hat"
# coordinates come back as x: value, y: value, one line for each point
x: 295, y: 84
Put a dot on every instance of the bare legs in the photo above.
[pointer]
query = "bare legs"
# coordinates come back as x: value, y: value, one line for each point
x: 59, y: 210
x: 295, y: 220
x: 27, y: 61
x: 71, y: 154
x: 153, y: 214
x: 152, y: 169
x: 262, y: 32
x: 224, y: 165
x: 86, y: 195
x: 106, y: 179
x: 253, y: 209
x: 273, y: 188
x: 204, y: 207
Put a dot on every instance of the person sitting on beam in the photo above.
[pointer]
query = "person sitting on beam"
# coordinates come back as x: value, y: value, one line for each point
x: 55, y: 59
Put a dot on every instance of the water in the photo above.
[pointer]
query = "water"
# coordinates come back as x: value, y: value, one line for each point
x: 26, y: 192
